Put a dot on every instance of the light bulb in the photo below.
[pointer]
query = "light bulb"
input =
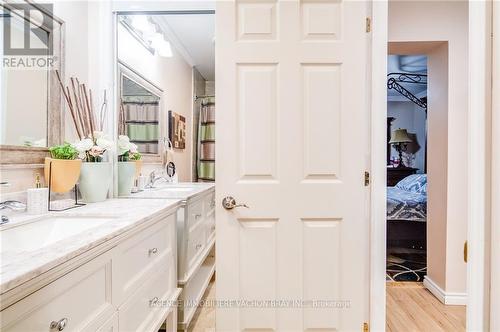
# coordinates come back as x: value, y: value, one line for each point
x: 141, y: 23
x: 164, y: 49
x: 156, y: 39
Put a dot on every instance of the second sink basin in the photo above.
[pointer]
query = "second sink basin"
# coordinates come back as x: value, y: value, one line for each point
x: 44, y: 231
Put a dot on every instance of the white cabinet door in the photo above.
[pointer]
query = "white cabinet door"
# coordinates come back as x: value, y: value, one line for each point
x: 292, y: 144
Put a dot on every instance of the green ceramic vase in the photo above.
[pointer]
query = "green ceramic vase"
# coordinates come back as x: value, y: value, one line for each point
x: 95, y: 179
x: 126, y: 176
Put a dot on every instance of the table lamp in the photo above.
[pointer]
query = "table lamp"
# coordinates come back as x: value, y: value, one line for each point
x: 399, y: 140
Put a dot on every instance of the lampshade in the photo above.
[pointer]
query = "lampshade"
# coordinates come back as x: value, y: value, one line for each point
x: 400, y: 136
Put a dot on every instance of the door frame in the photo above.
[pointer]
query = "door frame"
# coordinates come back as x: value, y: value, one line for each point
x: 378, y: 68
x: 495, y: 177
x: 477, y: 158
x: 479, y: 141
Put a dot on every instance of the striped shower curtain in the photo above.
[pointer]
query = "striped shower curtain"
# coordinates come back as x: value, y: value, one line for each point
x: 206, y: 141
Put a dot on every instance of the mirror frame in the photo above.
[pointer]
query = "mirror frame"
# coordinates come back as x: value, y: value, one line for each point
x: 125, y: 71
x: 13, y: 154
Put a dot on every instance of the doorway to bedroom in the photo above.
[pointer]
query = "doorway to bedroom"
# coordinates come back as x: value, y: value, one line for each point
x: 406, y: 167
x: 421, y: 263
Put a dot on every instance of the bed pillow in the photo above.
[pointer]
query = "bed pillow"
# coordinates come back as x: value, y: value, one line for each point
x: 416, y: 183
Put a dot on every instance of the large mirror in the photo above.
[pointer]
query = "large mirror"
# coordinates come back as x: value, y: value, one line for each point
x: 30, y: 103
x: 139, y: 115
x: 166, y: 102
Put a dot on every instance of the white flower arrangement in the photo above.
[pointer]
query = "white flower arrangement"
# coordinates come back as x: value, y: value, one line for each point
x: 126, y: 149
x: 92, y: 148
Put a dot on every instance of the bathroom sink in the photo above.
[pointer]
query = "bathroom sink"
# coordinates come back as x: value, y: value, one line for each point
x: 174, y: 188
x: 161, y: 183
x: 44, y: 231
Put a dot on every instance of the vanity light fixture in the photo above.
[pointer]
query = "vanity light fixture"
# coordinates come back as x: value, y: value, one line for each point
x: 147, y: 34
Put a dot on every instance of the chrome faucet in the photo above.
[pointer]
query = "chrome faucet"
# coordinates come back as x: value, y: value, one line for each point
x: 153, y: 178
x: 12, y: 205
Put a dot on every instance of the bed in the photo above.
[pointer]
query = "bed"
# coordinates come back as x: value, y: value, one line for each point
x: 407, y: 212
x: 408, y: 199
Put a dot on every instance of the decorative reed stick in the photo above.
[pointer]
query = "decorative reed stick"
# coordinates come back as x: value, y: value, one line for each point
x: 70, y: 105
x: 81, y: 107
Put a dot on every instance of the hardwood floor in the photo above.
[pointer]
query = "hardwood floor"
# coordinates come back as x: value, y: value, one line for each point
x: 411, y: 307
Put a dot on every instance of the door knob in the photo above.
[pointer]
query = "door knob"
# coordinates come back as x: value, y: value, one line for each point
x: 229, y: 203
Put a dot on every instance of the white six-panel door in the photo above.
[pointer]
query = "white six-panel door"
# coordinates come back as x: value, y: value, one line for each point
x: 292, y: 133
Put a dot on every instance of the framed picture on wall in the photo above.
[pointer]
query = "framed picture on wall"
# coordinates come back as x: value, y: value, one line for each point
x: 177, y: 130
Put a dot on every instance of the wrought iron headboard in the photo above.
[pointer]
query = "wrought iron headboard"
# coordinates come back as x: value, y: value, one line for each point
x: 394, y: 80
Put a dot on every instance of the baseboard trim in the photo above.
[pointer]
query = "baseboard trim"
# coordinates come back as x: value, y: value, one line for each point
x: 444, y: 297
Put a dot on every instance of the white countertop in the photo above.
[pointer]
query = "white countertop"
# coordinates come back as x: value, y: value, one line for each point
x: 18, y: 267
x: 182, y: 190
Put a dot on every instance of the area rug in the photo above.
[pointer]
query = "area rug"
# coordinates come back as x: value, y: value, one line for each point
x: 406, y: 264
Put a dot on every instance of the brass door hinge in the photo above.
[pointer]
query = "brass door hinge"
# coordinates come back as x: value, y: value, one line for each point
x: 366, y: 328
x: 368, y: 24
x: 367, y: 178
x: 465, y: 251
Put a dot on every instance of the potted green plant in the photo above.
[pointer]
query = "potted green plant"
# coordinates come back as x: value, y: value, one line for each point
x: 62, y: 167
x: 129, y: 165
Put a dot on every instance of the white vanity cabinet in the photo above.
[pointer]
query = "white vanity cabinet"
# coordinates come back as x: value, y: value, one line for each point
x: 130, y: 286
x: 195, y: 233
x: 195, y: 244
x: 195, y: 241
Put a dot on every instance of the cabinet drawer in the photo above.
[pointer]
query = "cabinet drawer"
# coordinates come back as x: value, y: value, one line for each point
x: 141, y: 255
x: 146, y: 309
x: 196, y: 244
x: 194, y: 214
x: 209, y: 203
x: 111, y: 325
x: 210, y: 226
x: 81, y: 299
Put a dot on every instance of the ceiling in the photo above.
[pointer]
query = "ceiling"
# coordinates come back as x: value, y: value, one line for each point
x: 412, y: 64
x: 193, y: 36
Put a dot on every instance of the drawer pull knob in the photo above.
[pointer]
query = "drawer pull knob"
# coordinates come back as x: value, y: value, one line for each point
x: 59, y: 325
x: 152, y: 251
x: 196, y: 216
x: 198, y: 246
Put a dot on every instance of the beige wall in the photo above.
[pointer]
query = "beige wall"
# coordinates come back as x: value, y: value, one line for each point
x: 174, y: 76
x: 443, y: 21
x: 438, y: 165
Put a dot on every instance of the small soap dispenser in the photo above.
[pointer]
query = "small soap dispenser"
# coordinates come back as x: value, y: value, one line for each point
x: 38, y: 198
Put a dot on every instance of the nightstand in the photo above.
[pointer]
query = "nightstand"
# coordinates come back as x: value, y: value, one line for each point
x: 394, y: 174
